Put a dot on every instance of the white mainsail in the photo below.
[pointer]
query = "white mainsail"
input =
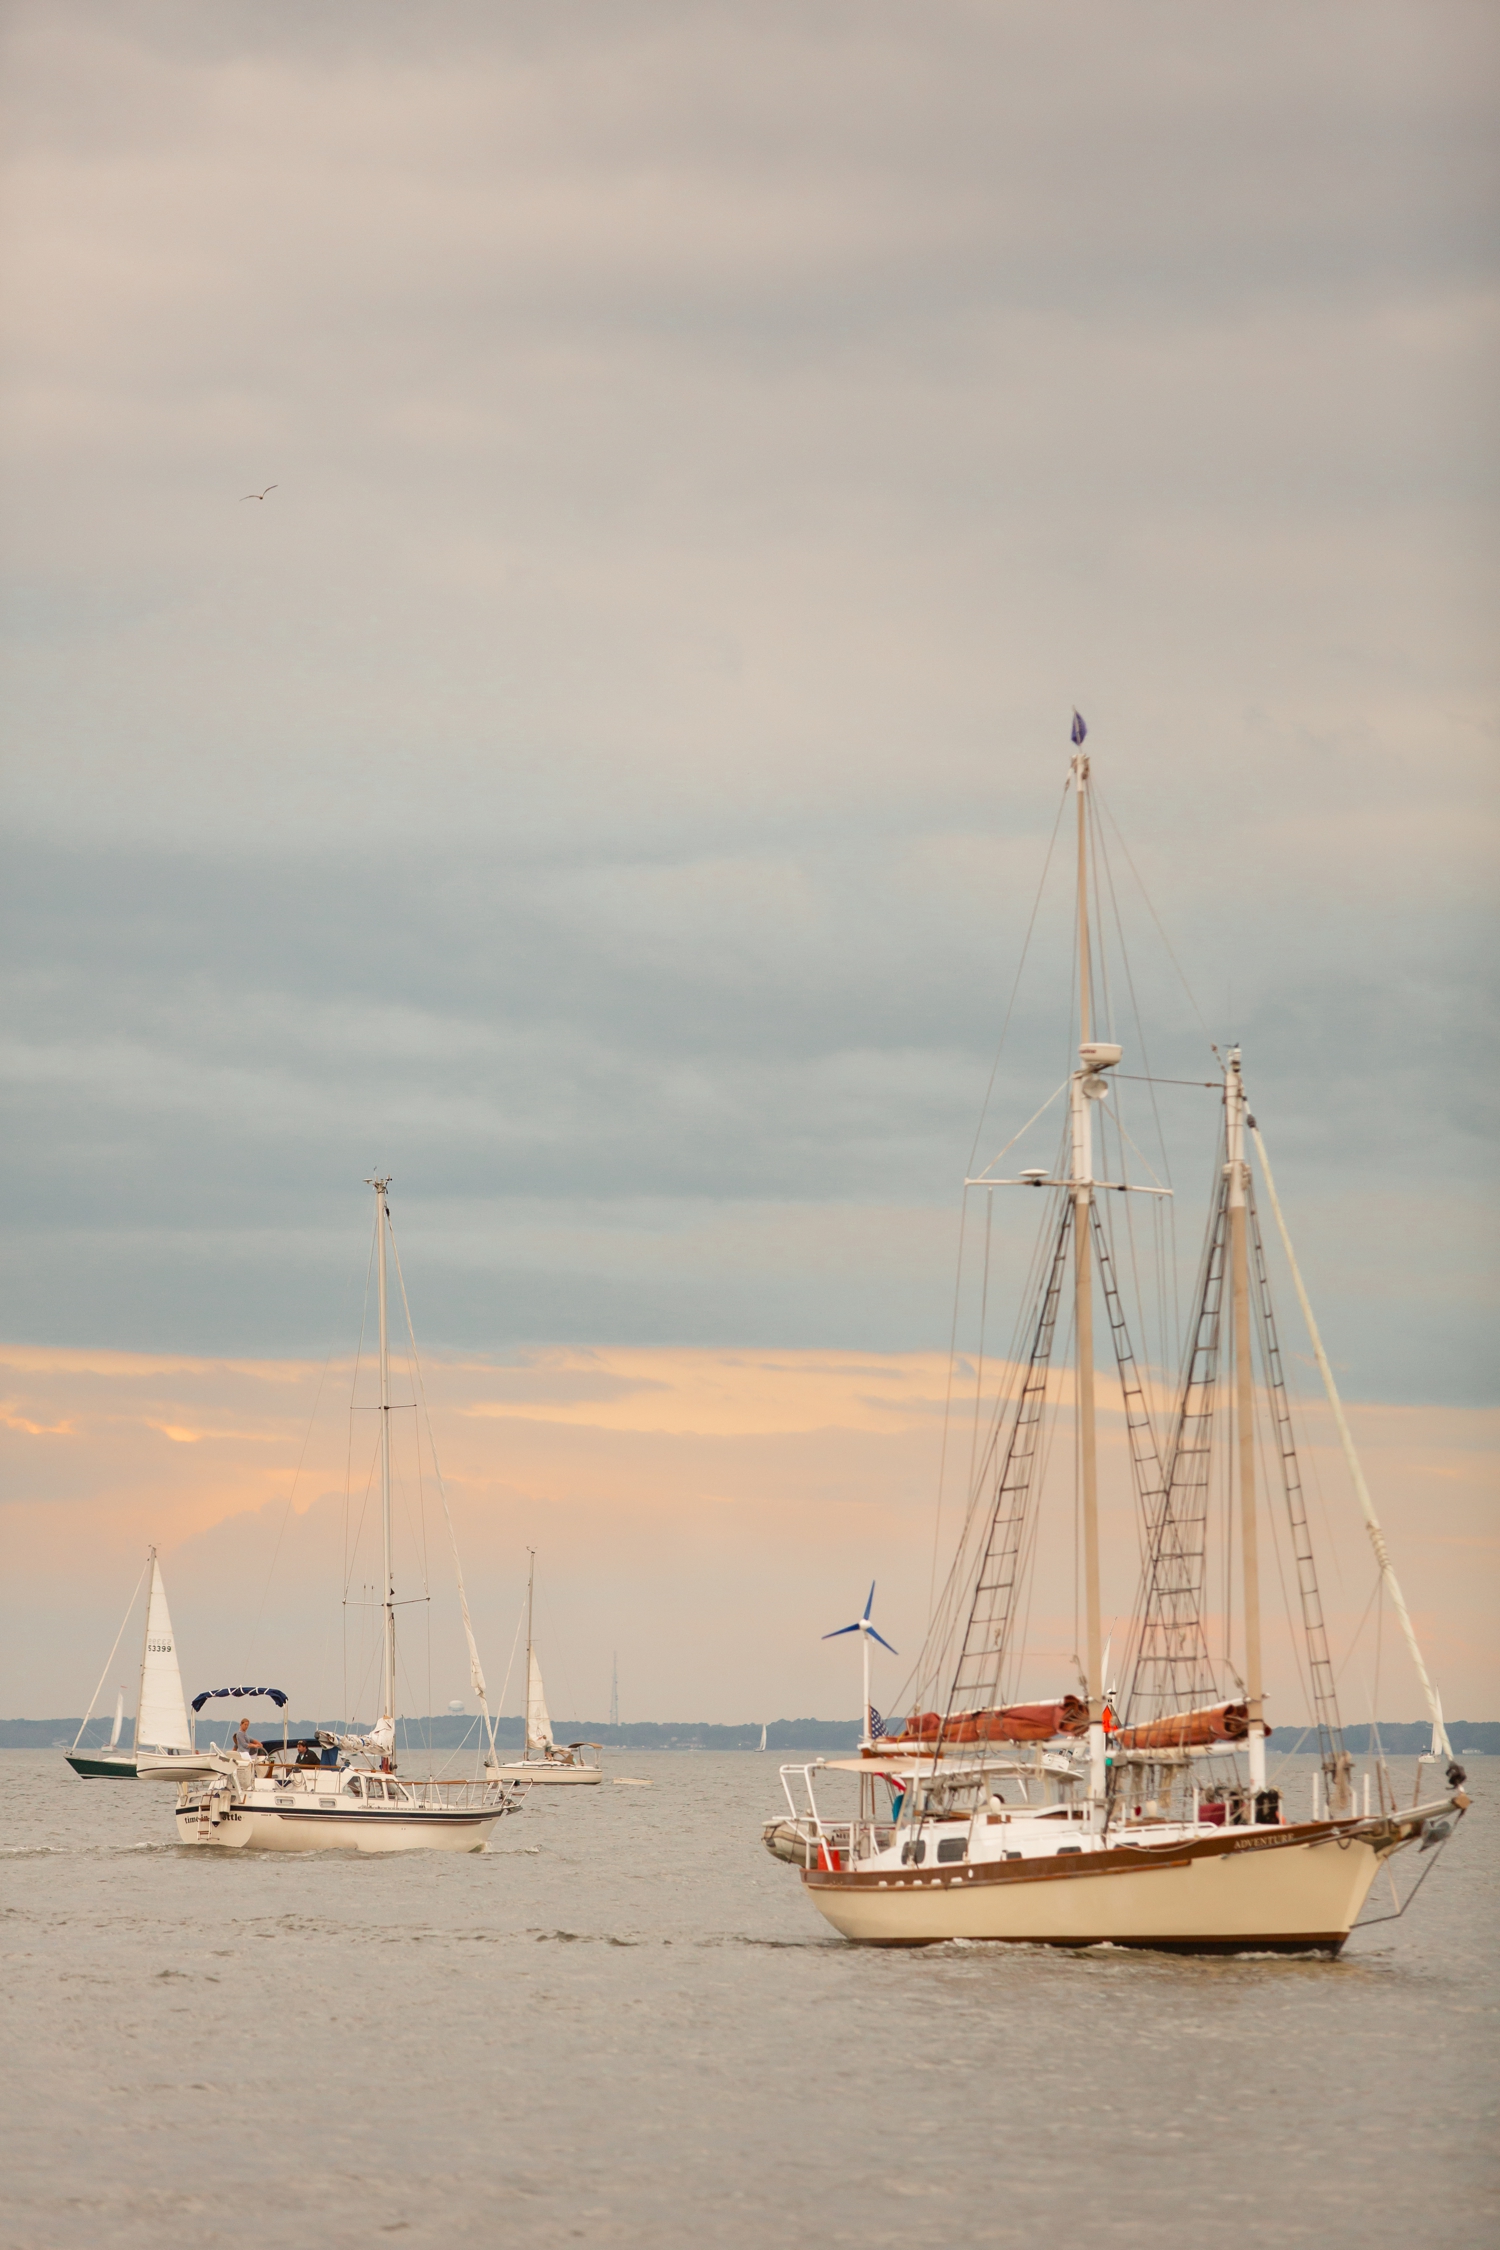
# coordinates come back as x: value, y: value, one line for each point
x: 161, y: 1714
x: 538, y: 1724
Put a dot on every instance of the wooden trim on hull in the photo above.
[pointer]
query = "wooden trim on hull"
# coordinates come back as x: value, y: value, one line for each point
x: 1324, y: 1947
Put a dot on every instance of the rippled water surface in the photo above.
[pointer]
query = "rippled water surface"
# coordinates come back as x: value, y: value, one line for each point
x: 623, y: 2024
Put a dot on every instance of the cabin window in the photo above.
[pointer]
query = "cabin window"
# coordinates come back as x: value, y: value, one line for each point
x: 952, y: 1847
x: 1068, y: 1848
x: 912, y: 1855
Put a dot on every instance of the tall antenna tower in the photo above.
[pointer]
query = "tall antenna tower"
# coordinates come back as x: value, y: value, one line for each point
x: 614, y: 1690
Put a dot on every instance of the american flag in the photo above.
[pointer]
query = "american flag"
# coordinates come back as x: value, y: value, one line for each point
x: 877, y: 1724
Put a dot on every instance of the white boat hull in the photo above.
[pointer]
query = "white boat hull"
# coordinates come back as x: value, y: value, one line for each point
x: 541, y: 1776
x: 348, y: 1828
x: 1297, y: 1891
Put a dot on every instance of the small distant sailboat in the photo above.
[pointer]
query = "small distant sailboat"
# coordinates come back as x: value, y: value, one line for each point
x: 762, y: 1738
x: 162, y: 1725
x: 543, y: 1759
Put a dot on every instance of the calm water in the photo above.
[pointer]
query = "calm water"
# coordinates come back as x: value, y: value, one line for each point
x: 622, y: 2024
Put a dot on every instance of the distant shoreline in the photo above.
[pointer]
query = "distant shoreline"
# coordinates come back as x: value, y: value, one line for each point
x: 450, y: 1731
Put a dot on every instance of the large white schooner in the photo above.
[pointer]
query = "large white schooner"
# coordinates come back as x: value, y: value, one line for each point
x: 343, y: 1792
x: 1144, y: 1819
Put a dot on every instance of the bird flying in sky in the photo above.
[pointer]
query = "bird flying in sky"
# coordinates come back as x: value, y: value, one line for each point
x: 260, y: 495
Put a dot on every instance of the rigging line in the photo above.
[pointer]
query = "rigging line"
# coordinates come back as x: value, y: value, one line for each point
x: 1356, y: 1472
x: 1379, y: 1746
x: 359, y: 1349
x: 104, y: 1675
x: 1020, y: 967
x: 1295, y: 1626
x: 1119, y: 1126
x: 286, y: 1515
x: 984, y: 1308
x: 1098, y: 956
x: 510, y: 1661
x: 364, y: 1316
x: 1156, y: 918
x: 1149, y: 1078
x: 1351, y: 1650
x: 476, y: 1669
x: 1026, y: 1128
x: 1135, y: 1007
x: 963, y: 1214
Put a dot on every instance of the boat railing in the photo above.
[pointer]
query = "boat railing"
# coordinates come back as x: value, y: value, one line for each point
x: 455, y: 1795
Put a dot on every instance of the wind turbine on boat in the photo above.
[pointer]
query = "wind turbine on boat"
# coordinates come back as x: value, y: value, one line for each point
x: 867, y: 1633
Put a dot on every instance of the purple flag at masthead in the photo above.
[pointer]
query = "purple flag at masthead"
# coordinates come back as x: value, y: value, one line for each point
x: 1079, y: 729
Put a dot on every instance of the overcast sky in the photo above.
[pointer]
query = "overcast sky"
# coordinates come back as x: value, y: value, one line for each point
x: 606, y: 781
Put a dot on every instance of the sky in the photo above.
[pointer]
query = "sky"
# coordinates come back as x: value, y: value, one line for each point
x: 606, y: 783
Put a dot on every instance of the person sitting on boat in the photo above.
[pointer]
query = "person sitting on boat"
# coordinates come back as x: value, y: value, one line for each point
x: 244, y: 1744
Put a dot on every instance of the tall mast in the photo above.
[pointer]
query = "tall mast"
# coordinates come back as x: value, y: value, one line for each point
x: 530, y: 1597
x: 1084, y: 1087
x: 388, y: 1602
x: 1244, y: 1409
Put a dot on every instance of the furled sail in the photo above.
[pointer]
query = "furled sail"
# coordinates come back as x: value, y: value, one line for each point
x: 538, y: 1724
x: 161, y: 1715
x: 1014, y: 1722
x: 1190, y: 1730
x: 378, y: 1743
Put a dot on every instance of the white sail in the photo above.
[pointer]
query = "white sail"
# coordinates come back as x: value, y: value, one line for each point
x: 161, y: 1714
x: 114, y: 1732
x: 538, y: 1724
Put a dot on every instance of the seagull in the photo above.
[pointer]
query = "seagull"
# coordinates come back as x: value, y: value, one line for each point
x: 260, y: 495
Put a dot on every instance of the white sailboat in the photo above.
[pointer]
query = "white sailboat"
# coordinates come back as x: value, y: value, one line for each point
x: 352, y: 1798
x: 544, y: 1760
x: 163, y: 1729
x: 1060, y: 1822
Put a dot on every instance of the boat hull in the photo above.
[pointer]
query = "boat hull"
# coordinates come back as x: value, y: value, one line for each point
x: 1298, y: 1893
x: 347, y: 1828
x: 542, y: 1776
x: 102, y: 1765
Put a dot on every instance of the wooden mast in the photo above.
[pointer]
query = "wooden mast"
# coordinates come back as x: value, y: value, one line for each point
x: 1083, y: 1303
x: 1244, y: 1408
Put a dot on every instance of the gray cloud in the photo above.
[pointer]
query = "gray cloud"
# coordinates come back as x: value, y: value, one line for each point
x: 607, y: 780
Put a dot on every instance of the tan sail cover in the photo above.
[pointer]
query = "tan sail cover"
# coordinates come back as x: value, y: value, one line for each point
x: 538, y: 1724
x: 1014, y: 1722
x: 1190, y: 1730
x: 161, y: 1715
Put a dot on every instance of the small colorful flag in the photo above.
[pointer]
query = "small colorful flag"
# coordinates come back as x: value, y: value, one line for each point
x: 1079, y: 729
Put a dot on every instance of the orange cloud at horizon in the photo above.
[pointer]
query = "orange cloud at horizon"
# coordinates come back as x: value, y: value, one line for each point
x: 708, y: 1514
